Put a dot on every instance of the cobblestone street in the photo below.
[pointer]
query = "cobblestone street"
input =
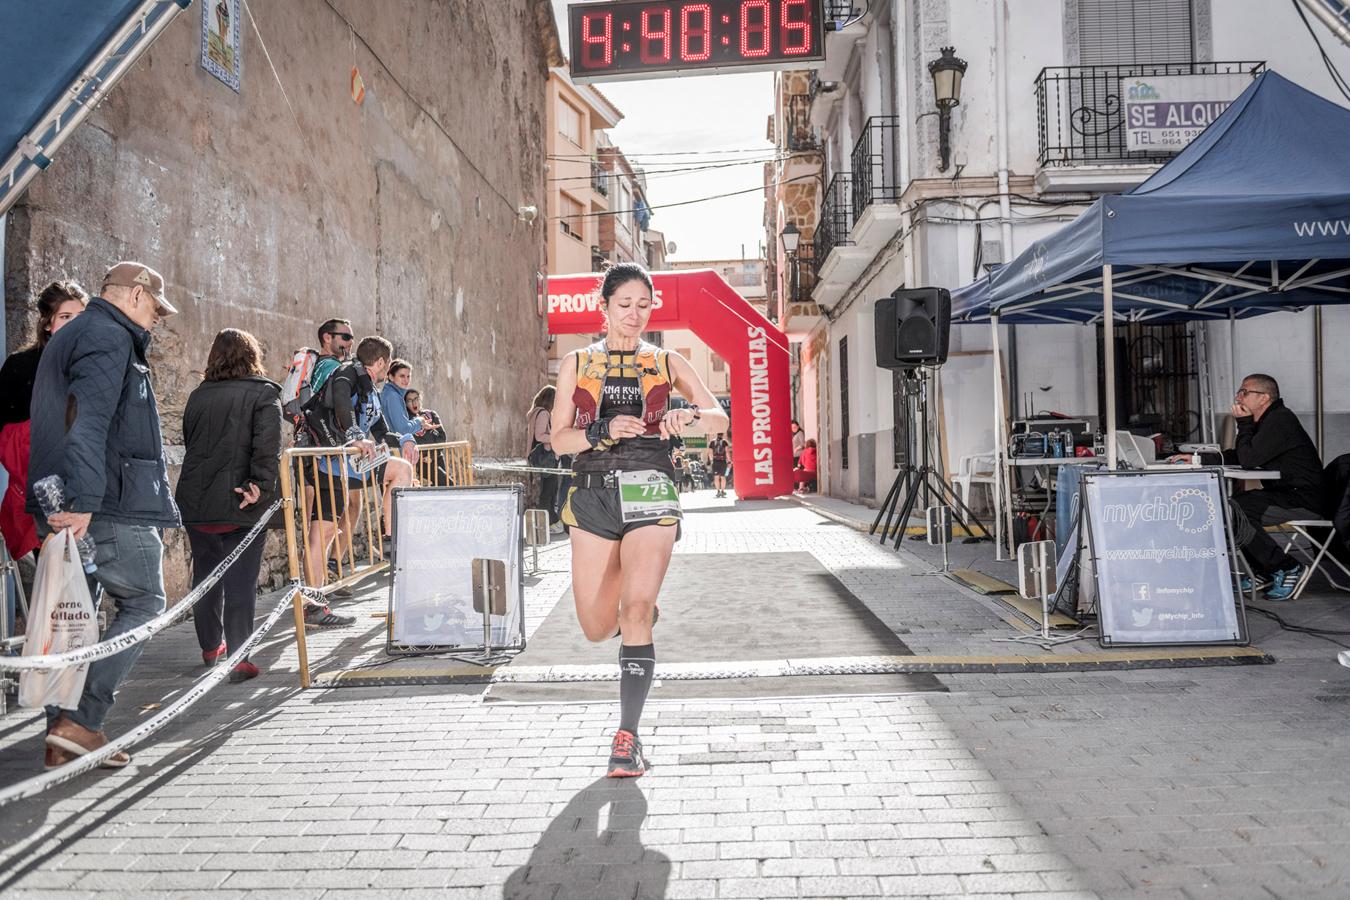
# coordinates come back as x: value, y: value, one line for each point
x: 1226, y: 782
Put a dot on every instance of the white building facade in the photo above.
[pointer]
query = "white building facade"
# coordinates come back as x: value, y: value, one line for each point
x: 1038, y: 134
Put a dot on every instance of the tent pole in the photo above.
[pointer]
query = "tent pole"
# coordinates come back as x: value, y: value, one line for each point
x: 998, y: 443
x: 1232, y: 352
x: 1319, y: 413
x: 1109, y: 361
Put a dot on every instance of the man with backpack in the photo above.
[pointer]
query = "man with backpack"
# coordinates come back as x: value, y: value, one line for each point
x: 346, y: 411
x: 309, y: 368
x: 305, y: 376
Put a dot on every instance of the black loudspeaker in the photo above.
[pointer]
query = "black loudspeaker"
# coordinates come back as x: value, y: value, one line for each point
x: 913, y: 328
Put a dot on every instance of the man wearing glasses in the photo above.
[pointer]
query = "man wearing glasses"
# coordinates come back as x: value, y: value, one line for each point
x: 335, y: 347
x: 1270, y: 436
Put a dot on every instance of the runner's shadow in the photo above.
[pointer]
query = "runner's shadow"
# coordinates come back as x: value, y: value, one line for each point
x: 581, y: 856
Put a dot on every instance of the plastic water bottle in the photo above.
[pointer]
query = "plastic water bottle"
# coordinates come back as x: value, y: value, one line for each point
x: 51, y: 497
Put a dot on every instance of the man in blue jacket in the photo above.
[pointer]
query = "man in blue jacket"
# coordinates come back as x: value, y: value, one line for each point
x: 96, y: 425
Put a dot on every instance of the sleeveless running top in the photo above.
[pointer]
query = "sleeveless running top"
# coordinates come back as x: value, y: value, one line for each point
x: 628, y: 383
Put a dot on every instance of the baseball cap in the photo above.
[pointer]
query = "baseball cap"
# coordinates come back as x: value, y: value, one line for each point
x: 134, y: 274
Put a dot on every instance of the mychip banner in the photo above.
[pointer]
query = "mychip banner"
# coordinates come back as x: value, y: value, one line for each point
x: 457, y: 549
x: 1159, y: 546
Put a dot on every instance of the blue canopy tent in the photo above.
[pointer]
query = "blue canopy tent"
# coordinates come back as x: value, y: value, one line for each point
x: 58, y: 59
x: 1252, y: 217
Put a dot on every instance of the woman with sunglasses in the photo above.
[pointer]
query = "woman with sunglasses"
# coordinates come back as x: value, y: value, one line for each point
x: 612, y: 410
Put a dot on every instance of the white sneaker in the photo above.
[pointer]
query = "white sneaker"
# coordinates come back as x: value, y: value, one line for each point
x: 1344, y: 658
x: 555, y: 528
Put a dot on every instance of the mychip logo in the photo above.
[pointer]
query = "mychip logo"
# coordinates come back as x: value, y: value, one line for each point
x: 1190, y: 510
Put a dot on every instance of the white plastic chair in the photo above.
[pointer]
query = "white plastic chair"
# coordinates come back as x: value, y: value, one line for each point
x: 974, y: 468
x: 1320, y: 558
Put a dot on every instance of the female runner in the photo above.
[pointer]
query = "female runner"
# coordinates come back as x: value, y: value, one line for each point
x: 612, y: 410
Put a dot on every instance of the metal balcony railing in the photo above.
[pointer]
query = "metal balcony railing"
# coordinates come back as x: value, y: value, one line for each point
x: 839, y: 11
x: 1081, y: 111
x: 799, y: 134
x: 599, y: 179
x: 873, y: 163
x: 836, y: 219
x: 801, y: 274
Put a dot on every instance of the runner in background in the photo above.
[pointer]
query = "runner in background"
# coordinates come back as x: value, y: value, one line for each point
x: 612, y: 409
x: 719, y: 451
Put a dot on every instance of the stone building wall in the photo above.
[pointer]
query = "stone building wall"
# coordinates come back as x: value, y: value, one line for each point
x: 276, y: 207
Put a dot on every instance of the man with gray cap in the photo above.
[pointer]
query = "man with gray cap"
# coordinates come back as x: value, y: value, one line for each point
x: 96, y: 425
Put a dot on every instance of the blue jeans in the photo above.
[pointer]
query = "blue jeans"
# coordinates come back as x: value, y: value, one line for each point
x: 130, y: 569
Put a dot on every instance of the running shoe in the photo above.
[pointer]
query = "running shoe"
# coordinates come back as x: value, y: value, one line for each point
x: 625, y: 757
x: 1285, y: 581
x: 211, y: 657
x: 1344, y: 658
x: 323, y: 617
x: 333, y: 572
x: 1246, y: 584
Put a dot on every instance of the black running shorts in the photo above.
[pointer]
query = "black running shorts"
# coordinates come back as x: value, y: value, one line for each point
x: 719, y: 468
x: 330, y: 497
x: 596, y: 511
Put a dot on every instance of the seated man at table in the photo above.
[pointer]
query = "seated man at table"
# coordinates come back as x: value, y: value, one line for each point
x: 1270, y: 436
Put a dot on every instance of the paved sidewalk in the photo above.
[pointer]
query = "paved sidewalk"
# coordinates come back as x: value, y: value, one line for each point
x: 1189, y: 783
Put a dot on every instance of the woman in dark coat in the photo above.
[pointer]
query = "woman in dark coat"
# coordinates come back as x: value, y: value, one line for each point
x: 59, y: 302
x: 232, y: 429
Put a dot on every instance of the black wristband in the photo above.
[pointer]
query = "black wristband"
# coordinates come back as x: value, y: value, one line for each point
x: 597, y: 431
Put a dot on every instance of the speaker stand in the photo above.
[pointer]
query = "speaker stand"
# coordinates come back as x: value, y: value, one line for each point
x: 912, y: 479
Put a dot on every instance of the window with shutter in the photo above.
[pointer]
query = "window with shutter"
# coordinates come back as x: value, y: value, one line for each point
x: 570, y: 216
x: 1112, y: 32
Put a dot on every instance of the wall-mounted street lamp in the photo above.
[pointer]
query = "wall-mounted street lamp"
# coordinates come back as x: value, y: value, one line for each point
x: 790, y: 237
x: 947, y: 71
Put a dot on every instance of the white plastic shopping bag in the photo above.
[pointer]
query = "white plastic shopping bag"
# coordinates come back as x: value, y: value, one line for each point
x: 60, y: 618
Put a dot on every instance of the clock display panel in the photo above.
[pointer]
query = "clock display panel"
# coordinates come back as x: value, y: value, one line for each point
x: 637, y: 38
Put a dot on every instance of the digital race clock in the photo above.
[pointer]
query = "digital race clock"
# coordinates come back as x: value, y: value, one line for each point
x: 637, y: 39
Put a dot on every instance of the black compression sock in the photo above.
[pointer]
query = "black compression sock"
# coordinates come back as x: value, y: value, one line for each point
x: 636, y: 665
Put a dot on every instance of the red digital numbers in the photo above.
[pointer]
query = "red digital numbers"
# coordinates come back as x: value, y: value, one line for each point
x: 636, y: 36
x: 755, y: 41
x: 695, y: 31
x: 796, y: 27
x: 597, y: 39
x: 655, y: 37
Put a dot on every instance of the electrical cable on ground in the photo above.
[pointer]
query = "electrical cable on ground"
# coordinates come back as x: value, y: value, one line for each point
x: 1325, y: 633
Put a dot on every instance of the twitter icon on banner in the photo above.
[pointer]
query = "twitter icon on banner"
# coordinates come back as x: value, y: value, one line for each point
x: 1141, y: 594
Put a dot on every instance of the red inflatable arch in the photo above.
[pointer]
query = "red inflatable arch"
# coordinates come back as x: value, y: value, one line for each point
x: 699, y: 300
